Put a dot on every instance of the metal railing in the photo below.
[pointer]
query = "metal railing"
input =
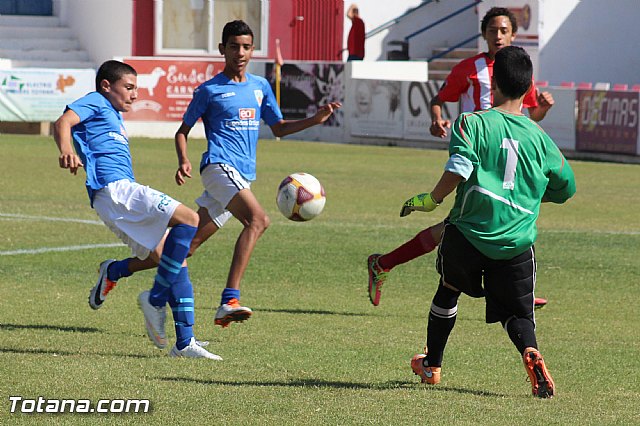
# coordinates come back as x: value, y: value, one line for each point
x: 439, y: 21
x: 394, y: 21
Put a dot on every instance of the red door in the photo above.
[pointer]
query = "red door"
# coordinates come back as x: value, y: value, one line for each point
x: 317, y: 30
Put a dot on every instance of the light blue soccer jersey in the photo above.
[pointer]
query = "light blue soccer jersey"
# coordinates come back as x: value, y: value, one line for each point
x: 101, y: 142
x: 231, y: 113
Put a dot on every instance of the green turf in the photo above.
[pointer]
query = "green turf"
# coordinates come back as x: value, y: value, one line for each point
x: 315, y: 351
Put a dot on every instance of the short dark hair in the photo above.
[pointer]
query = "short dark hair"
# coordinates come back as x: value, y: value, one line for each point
x: 235, y: 28
x: 113, y: 71
x: 499, y: 11
x: 513, y: 71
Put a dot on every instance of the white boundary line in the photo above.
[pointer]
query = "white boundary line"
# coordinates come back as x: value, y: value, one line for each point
x: 48, y: 218
x: 51, y: 249
x: 9, y: 216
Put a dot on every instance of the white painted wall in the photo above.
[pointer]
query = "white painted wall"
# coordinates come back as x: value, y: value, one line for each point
x: 104, y: 28
x: 598, y: 40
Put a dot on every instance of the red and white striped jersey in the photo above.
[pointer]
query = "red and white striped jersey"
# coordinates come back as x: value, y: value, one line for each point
x: 470, y: 83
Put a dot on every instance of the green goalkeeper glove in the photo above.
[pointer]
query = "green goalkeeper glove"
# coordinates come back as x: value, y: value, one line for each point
x: 420, y: 203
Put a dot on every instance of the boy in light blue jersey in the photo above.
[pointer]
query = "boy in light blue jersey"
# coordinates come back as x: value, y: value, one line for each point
x: 137, y: 214
x: 231, y: 106
x: 502, y: 166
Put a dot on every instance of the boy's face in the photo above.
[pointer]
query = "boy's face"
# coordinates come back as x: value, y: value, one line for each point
x: 499, y: 33
x: 237, y: 53
x: 122, y: 93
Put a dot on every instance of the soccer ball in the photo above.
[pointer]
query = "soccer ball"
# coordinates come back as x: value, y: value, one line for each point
x: 300, y: 197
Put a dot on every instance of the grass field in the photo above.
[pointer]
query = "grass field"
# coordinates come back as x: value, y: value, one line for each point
x: 315, y: 352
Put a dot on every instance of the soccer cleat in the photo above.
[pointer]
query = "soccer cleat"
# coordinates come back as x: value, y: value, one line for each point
x: 430, y: 375
x: 539, y: 302
x: 154, y: 319
x: 193, y: 350
x: 541, y: 382
x: 377, y: 277
x: 230, y: 312
x: 104, y: 285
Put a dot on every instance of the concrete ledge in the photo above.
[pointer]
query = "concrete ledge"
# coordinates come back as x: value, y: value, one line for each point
x: 42, y: 128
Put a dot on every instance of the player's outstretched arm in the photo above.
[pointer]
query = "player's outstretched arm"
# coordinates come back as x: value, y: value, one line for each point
x: 67, y: 159
x: 545, y: 102
x: 428, y: 201
x: 287, y: 127
x: 184, y: 165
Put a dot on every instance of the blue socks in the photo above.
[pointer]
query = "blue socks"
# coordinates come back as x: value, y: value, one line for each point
x: 119, y: 269
x: 228, y: 294
x: 181, y: 302
x: 176, y: 248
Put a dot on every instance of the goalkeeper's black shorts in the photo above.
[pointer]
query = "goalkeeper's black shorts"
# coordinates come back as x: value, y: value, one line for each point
x: 507, y: 285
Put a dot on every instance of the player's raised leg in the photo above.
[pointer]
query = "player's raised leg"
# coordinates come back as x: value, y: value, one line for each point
x: 110, y: 271
x: 379, y: 265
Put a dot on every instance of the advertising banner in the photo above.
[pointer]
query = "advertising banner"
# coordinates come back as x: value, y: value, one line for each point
x: 165, y: 86
x: 32, y: 94
x: 417, y: 116
x: 377, y: 108
x: 304, y: 86
x: 607, y: 121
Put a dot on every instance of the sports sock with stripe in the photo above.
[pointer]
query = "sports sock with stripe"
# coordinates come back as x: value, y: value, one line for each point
x: 442, y: 318
x: 182, y: 306
x: 176, y: 248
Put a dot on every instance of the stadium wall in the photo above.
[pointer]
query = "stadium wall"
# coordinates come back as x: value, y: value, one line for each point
x: 384, y: 107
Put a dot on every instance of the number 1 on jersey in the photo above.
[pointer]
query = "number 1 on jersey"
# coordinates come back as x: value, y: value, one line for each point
x: 511, y: 146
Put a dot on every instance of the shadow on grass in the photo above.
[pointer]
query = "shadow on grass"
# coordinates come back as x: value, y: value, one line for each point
x: 49, y: 328
x: 36, y: 351
x: 310, y: 311
x: 319, y: 383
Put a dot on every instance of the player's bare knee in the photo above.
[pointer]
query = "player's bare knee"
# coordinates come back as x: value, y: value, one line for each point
x: 260, y: 222
x: 192, y: 219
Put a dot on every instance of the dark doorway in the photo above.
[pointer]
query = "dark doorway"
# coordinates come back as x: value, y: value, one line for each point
x: 26, y: 7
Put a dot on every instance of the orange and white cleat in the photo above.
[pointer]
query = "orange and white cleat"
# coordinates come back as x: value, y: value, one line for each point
x: 230, y: 312
x: 99, y: 292
x: 430, y: 375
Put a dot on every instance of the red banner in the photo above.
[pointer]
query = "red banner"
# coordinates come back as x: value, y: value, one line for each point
x: 165, y: 86
x: 607, y: 121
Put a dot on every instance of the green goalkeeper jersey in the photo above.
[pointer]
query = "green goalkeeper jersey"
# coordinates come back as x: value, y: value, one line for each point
x: 511, y: 165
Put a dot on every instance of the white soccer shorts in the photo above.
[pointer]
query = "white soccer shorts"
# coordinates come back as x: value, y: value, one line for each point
x: 221, y: 183
x: 137, y: 214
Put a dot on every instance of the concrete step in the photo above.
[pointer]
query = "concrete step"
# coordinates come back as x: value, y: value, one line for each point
x: 42, y: 44
x: 443, y: 64
x: 23, y: 63
x: 460, y: 53
x: 29, y: 21
x: 35, y: 32
x: 45, y: 55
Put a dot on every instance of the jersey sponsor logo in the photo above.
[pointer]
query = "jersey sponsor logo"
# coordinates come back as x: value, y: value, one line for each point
x: 164, y: 201
x: 247, y: 113
x: 228, y: 94
x: 120, y: 138
x: 259, y: 96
